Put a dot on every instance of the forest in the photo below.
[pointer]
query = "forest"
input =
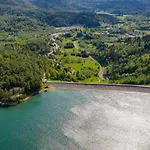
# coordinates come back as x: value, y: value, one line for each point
x: 20, y: 72
x: 127, y: 63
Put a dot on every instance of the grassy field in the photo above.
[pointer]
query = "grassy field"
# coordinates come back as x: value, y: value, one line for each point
x: 72, y: 57
x: 78, y: 64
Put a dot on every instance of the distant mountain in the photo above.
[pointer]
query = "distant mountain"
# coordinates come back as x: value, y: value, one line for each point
x: 48, y: 3
x: 120, y: 6
x: 22, y: 13
x: 13, y: 4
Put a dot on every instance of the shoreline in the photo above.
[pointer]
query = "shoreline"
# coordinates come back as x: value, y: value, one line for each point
x: 109, y: 87
x: 82, y: 86
x: 10, y: 104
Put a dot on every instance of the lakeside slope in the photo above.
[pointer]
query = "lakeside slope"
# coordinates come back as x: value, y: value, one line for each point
x: 83, y: 86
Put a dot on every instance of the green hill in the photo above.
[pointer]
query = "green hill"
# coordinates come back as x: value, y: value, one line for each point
x: 114, y: 6
x: 27, y: 11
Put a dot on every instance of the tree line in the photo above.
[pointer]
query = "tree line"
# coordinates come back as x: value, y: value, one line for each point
x: 126, y: 63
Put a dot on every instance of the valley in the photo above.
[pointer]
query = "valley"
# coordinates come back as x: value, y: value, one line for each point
x: 69, y: 46
x: 77, y: 73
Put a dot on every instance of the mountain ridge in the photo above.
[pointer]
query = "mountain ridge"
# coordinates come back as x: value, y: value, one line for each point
x: 96, y: 5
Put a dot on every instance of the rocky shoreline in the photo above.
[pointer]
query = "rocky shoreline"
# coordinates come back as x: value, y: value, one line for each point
x: 85, y: 86
x: 82, y: 86
x: 9, y: 104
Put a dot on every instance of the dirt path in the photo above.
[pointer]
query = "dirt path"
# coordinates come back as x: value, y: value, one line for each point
x: 101, y: 71
x: 76, y: 45
x: 69, y: 28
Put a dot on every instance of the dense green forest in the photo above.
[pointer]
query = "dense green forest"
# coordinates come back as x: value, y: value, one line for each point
x: 19, y: 69
x: 126, y: 63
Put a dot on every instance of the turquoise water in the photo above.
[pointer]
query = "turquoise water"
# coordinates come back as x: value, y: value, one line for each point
x: 37, y: 124
x: 66, y: 120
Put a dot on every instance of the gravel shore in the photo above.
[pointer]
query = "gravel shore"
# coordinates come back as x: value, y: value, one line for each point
x: 114, y: 87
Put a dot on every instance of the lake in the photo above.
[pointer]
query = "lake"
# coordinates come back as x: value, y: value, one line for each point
x: 78, y: 120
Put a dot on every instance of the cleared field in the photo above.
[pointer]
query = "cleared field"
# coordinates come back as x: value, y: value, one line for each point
x: 82, y: 64
x: 78, y: 63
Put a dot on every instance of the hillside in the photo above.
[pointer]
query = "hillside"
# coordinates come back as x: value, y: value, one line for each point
x: 114, y: 6
x: 31, y: 48
x: 23, y: 12
x: 127, y: 62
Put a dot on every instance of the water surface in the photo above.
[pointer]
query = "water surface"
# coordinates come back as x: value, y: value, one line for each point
x: 78, y: 120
